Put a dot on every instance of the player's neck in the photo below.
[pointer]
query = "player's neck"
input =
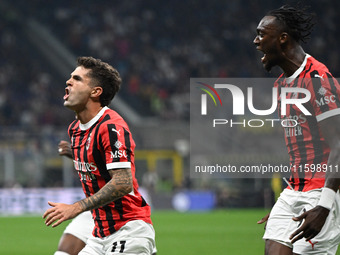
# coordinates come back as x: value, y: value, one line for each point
x: 292, y: 60
x: 88, y: 114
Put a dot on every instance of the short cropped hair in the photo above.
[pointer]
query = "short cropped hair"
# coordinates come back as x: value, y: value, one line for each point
x: 297, y: 22
x: 102, y: 75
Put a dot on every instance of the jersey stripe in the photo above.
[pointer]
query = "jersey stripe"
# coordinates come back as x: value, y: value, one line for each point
x: 128, y: 144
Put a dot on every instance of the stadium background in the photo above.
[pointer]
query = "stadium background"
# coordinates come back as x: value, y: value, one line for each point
x: 157, y: 46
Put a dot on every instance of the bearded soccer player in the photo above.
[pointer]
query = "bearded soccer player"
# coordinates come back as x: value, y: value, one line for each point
x: 103, y: 151
x: 305, y: 219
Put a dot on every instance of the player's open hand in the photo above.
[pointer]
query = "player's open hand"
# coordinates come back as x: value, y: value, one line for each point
x: 64, y: 149
x: 314, y: 220
x: 60, y: 212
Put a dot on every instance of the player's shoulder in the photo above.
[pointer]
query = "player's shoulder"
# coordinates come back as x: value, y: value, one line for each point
x: 315, y: 69
x: 112, y: 118
x: 74, y: 125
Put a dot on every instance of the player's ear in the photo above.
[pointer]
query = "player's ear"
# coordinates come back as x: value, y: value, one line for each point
x: 96, y: 91
x: 284, y: 37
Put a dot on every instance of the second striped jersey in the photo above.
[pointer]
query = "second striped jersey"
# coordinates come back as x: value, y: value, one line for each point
x: 306, y: 145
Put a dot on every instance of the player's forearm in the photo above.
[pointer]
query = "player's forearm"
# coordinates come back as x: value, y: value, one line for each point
x: 117, y: 187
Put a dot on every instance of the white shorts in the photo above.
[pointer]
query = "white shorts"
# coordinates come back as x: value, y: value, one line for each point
x: 293, y: 203
x: 135, y: 237
x: 81, y: 226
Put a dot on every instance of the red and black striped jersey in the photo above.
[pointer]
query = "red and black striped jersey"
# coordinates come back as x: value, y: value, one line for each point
x: 306, y: 145
x: 105, y: 143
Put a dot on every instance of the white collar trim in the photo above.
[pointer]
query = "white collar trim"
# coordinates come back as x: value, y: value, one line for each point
x: 94, y: 119
x: 298, y: 71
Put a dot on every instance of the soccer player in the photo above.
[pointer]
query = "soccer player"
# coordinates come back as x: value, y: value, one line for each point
x: 103, y: 151
x: 312, y: 144
x: 79, y: 230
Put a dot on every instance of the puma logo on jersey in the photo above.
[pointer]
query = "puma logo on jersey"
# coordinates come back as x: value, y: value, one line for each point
x: 115, y: 130
x: 318, y: 76
x: 312, y: 244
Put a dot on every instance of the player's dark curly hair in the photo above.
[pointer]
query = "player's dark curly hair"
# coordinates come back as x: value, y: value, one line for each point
x: 297, y: 22
x: 103, y: 75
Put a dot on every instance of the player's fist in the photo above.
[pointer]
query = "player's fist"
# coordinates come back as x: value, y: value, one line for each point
x: 64, y: 149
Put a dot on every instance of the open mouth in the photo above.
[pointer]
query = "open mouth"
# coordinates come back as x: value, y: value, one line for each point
x: 67, y: 94
x: 264, y: 58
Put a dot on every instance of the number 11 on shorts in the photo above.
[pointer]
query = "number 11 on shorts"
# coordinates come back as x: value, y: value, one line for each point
x: 122, y: 246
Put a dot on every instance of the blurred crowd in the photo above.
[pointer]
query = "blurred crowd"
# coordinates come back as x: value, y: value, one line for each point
x: 156, y: 45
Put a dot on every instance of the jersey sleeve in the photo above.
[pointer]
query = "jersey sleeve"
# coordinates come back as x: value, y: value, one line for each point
x: 118, y: 146
x: 325, y: 95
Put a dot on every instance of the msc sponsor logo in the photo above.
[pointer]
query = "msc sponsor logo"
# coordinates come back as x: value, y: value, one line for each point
x: 324, y: 99
x: 118, y: 154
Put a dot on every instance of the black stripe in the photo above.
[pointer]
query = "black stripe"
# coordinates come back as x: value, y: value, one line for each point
x: 113, y: 139
x: 97, y: 155
x: 100, y: 225
x: 71, y: 128
x: 119, y: 207
x: 112, y: 228
x: 334, y: 89
x: 144, y: 203
x: 307, y: 70
x: 317, y: 85
x: 95, y: 232
x: 127, y: 144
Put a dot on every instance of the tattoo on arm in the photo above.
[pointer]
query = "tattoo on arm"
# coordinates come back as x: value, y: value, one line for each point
x: 119, y: 185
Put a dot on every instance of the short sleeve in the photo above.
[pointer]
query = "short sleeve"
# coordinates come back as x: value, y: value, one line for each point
x: 118, y: 146
x: 325, y: 95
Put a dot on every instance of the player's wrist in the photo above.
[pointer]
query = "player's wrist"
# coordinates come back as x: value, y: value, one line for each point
x: 327, y: 198
x: 79, y: 207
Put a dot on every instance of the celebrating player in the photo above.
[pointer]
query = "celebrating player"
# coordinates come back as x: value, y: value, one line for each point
x: 79, y: 230
x: 314, y: 143
x: 103, y: 151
